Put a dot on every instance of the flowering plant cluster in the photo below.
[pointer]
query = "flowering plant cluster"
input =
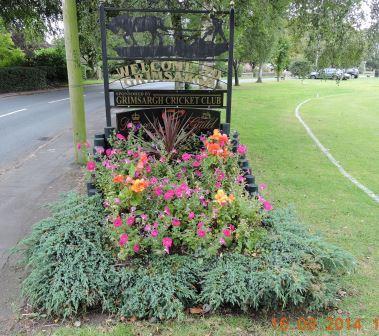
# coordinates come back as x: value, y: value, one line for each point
x: 184, y: 203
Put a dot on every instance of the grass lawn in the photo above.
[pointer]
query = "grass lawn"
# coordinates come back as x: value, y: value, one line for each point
x: 284, y: 157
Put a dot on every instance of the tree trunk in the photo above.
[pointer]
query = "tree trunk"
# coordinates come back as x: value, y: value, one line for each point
x: 277, y: 76
x: 260, y: 71
x: 235, y: 67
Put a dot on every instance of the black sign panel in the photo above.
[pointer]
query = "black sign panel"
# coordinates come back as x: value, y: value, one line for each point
x: 188, y: 43
x: 202, y: 119
x: 168, y: 98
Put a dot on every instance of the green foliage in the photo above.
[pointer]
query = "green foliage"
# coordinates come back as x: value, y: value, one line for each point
x: 22, y: 79
x: 300, y: 68
x: 9, y: 54
x: 71, y: 268
x: 54, y: 56
x: 292, y: 269
x: 281, y: 55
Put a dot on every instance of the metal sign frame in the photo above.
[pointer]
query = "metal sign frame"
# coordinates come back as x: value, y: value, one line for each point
x: 105, y: 58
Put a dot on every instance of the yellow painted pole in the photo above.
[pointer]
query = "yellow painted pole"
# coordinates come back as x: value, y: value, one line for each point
x: 75, y: 80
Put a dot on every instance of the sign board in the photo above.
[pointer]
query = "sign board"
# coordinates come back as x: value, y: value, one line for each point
x: 168, y: 98
x: 140, y: 72
x: 181, y: 45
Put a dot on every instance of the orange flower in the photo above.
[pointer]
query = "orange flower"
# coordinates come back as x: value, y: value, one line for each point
x: 213, y: 148
x: 118, y: 179
x: 222, y: 198
x: 139, y: 185
x: 142, y: 161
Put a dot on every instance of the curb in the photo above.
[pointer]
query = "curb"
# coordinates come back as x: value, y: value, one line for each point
x: 28, y: 93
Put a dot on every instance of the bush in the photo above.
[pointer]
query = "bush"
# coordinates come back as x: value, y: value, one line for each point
x: 54, y: 57
x: 300, y: 68
x: 22, y: 79
x: 9, y: 54
x: 72, y: 270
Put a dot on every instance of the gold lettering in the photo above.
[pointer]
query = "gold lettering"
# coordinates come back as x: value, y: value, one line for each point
x: 166, y: 65
x: 134, y: 68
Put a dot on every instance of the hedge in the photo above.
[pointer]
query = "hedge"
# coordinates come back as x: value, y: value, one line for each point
x: 22, y: 79
x: 14, y: 79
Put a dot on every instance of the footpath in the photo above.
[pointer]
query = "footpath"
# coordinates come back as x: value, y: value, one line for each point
x: 31, y: 183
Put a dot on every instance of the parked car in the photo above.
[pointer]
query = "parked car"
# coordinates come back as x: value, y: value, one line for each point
x: 329, y: 73
x: 353, y: 72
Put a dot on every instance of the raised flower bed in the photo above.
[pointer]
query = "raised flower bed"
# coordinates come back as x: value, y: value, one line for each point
x: 175, y: 223
x: 171, y: 200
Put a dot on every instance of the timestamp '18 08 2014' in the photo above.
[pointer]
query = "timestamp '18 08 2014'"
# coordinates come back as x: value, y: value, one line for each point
x: 330, y: 323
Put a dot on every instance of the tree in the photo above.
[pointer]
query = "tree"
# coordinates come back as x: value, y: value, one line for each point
x: 9, y: 54
x: 281, y: 56
x: 300, y: 68
x: 331, y: 29
x: 262, y: 30
x: 37, y: 15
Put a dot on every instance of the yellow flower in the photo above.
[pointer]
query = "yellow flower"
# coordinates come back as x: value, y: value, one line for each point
x: 221, y: 198
x: 139, y: 185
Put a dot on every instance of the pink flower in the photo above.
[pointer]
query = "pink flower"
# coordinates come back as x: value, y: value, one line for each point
x: 105, y: 204
x: 240, y: 179
x: 144, y: 216
x: 87, y: 144
x: 241, y: 149
x: 130, y: 220
x: 175, y: 222
x: 154, y: 233
x: 147, y: 227
x: 191, y: 215
x: 186, y: 157
x: 169, y: 194
x: 117, y: 222
x: 198, y: 173
x: 129, y: 125
x: 79, y: 146
x: 200, y: 225
x: 167, y: 210
x: 232, y: 227
x: 261, y: 199
x: 117, y: 200
x: 91, y: 166
x: 130, y: 152
x: 218, y: 185
x: 109, y: 152
x: 167, y: 242
x: 155, y: 225
x: 201, y: 233
x: 99, y: 150
x: 262, y: 186
x: 153, y: 180
x: 267, y: 206
x: 120, y: 136
x: 222, y: 241
x: 123, y: 239
x: 196, y: 164
x: 136, y: 248
x: 226, y: 232
x: 158, y: 191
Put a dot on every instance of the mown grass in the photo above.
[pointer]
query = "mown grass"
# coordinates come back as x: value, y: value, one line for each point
x: 285, y: 158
